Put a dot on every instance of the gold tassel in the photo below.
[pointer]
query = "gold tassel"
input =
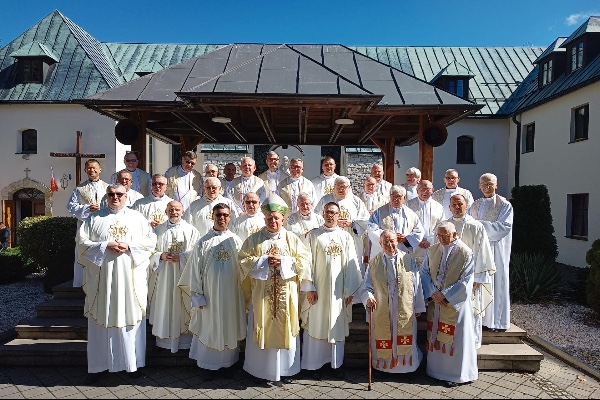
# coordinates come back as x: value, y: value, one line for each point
x: 377, y: 366
x: 436, y: 345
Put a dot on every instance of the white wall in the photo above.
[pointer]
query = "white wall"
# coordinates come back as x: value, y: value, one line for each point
x: 57, y: 127
x: 491, y: 154
x: 565, y: 168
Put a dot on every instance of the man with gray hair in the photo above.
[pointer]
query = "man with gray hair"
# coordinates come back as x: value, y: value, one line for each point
x: 413, y: 177
x: 290, y: 188
x: 396, y: 217
x: 184, y: 183
x: 273, y: 175
x: 211, y: 170
x: 251, y: 220
x: 430, y: 214
x: 383, y: 186
x: 304, y: 220
x: 153, y: 207
x: 451, y: 187
x: 496, y: 215
x: 199, y: 214
x: 247, y: 182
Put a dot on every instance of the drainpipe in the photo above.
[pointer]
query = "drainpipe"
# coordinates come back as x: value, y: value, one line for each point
x: 518, y: 150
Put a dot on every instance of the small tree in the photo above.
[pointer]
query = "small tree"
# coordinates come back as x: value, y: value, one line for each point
x: 533, y: 232
x: 49, y: 242
x: 592, y: 289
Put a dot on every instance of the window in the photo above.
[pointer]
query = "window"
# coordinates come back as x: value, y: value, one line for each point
x: 577, y: 56
x: 580, y: 117
x: 547, y: 73
x: 457, y: 86
x: 577, y: 216
x: 32, y: 70
x: 464, y: 150
x: 29, y: 141
x: 529, y: 138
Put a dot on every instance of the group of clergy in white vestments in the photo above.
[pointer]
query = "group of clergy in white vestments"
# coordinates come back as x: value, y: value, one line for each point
x: 278, y: 261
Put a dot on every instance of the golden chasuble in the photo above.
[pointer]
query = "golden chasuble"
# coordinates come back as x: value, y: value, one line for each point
x: 382, y: 323
x: 457, y: 262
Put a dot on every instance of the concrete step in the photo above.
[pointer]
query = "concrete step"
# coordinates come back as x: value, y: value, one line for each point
x: 500, y: 356
x: 60, y: 308
x: 53, y: 328
x: 66, y: 291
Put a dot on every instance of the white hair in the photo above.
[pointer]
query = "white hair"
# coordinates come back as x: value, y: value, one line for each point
x: 398, y: 189
x: 447, y: 225
x: 212, y: 179
x: 414, y: 171
x: 489, y: 177
x: 341, y: 179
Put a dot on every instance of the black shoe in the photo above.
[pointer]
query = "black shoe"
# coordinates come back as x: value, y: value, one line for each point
x: 287, y: 380
x: 451, y: 384
x: 316, y: 375
x: 276, y: 383
x: 94, y: 377
x: 338, y: 373
x: 210, y: 375
x: 135, y: 374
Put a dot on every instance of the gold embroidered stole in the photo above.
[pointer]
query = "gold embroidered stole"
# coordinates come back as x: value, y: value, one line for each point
x: 381, y: 320
x: 493, y: 210
x: 387, y: 222
x: 448, y: 315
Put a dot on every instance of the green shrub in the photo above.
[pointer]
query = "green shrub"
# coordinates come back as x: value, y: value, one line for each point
x: 592, y: 289
x: 12, y: 267
x: 534, y: 278
x: 50, y: 243
x: 532, y: 226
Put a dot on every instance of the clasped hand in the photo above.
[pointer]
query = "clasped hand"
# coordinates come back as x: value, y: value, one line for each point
x: 118, y: 247
x: 173, y: 257
x: 439, y: 298
x: 274, y: 261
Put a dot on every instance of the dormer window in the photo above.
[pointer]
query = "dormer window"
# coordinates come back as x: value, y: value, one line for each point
x: 577, y: 56
x: 547, y: 73
x: 34, y: 61
x: 454, y: 78
x: 456, y: 86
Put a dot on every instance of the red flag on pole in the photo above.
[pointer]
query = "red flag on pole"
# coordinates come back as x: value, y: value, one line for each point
x: 53, y: 185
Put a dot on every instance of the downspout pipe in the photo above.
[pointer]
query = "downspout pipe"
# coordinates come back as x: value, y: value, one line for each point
x: 517, y: 150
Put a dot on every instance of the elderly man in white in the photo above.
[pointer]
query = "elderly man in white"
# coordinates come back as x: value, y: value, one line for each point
x: 324, y: 183
x: 140, y: 178
x: 289, y: 188
x: 413, y: 177
x: 247, y: 182
x: 430, y: 214
x: 451, y: 187
x: 304, y: 220
x: 496, y: 215
x: 154, y: 207
x: 251, y: 220
x: 273, y: 175
x: 124, y: 178
x: 184, y: 183
x: 383, y: 186
x: 199, y: 214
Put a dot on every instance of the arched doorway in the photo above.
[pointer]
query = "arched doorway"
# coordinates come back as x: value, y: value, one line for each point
x: 29, y: 202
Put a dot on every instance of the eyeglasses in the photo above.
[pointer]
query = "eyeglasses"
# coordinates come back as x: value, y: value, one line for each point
x: 272, y: 159
x: 131, y: 160
x: 342, y: 186
x: 159, y: 184
x: 116, y: 194
x: 212, y: 187
x: 296, y: 167
x: 486, y: 185
x: 331, y: 212
x: 219, y: 215
x: 126, y: 180
x: 451, y: 177
x: 444, y: 236
x: 192, y: 162
x: 251, y: 201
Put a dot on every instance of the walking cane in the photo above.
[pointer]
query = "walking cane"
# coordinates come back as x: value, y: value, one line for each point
x: 370, y: 348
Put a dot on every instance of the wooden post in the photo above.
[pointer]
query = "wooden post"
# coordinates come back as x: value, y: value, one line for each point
x: 388, y: 148
x: 425, y: 154
x: 140, y: 147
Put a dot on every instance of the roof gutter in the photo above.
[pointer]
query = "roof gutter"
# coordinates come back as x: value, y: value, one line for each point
x: 517, y: 150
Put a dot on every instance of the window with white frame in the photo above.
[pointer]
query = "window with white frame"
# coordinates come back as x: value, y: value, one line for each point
x: 577, y: 216
x: 529, y: 138
x: 464, y: 150
x: 577, y: 56
x: 547, y: 73
x: 580, y: 118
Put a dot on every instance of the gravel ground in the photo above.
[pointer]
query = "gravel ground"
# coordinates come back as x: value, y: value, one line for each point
x: 18, y: 301
x: 570, y: 326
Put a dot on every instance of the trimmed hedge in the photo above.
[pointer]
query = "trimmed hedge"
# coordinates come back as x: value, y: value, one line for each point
x: 12, y: 267
x: 50, y: 243
x: 533, y: 232
x: 592, y: 289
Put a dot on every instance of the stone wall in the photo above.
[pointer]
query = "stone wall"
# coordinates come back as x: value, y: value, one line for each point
x: 220, y: 160
x: 359, y: 168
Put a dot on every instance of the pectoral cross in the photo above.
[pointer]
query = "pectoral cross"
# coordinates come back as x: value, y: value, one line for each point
x: 78, y: 156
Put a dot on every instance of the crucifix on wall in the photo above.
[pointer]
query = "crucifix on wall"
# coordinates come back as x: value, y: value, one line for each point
x: 78, y: 156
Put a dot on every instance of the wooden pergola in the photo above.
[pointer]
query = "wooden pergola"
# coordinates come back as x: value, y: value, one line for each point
x: 284, y: 95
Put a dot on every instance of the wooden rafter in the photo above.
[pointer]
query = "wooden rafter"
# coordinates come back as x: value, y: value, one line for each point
x: 195, y: 126
x: 371, y: 129
x: 303, y: 124
x: 264, y: 122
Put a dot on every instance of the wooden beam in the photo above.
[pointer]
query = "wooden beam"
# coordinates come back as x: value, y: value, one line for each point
x: 189, y: 142
x: 140, y: 147
x: 371, y: 129
x: 425, y: 154
x: 265, y: 123
x: 195, y: 126
x: 388, y: 148
x: 303, y: 124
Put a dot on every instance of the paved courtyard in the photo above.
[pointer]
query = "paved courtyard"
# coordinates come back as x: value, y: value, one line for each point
x: 554, y: 380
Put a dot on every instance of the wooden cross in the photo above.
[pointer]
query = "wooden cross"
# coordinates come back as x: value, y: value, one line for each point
x: 78, y: 156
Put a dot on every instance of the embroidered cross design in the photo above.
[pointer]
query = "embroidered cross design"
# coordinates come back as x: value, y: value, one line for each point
x: 222, y: 254
x: 275, y: 295
x: 158, y: 216
x: 333, y: 249
x: 117, y: 231
x: 344, y: 214
x: 383, y: 344
x: 446, y: 328
x: 175, y: 247
x: 404, y: 340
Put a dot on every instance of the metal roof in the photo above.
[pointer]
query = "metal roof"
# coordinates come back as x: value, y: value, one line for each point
x: 555, y: 47
x: 592, y: 25
x: 35, y: 49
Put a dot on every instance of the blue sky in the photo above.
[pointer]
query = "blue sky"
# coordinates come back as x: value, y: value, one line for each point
x: 352, y: 23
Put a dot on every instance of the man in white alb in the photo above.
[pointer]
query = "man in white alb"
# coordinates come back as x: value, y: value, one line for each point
x: 141, y: 179
x: 154, y: 207
x: 124, y: 178
x: 324, y: 183
x: 166, y: 313
x: 304, y: 220
x: 430, y: 214
x: 289, y: 188
x: 114, y: 246
x: 247, y: 182
x: 184, y: 183
x: 413, y: 177
x: 383, y: 186
x: 229, y: 171
x: 251, y: 220
x: 84, y: 201
x: 273, y: 175
x: 451, y: 187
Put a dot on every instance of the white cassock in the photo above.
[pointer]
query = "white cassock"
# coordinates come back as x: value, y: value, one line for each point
x: 302, y: 224
x: 273, y: 339
x: 153, y: 208
x: 246, y: 224
x: 242, y: 185
x: 430, y: 214
x: 398, y: 275
x: 83, y: 195
x: 272, y: 179
x: 183, y: 186
x: 289, y: 189
x: 443, y: 195
x: 200, y: 212
x: 452, y: 355
x: 496, y: 215
x: 472, y: 233
x: 142, y: 181
x: 116, y: 288
x: 323, y: 185
x: 400, y: 220
x: 166, y: 312
x: 375, y: 200
x: 336, y: 276
x: 352, y: 208
x: 411, y: 191
x: 212, y: 279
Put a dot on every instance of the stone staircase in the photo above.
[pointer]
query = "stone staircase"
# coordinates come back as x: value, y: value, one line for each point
x: 58, y: 336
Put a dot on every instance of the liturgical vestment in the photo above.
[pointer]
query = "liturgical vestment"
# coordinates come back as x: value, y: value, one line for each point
x: 246, y: 224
